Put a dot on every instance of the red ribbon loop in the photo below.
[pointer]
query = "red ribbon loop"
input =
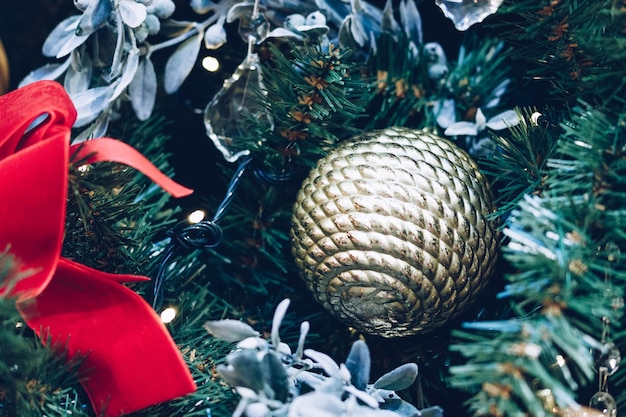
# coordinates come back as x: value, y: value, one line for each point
x: 131, y: 361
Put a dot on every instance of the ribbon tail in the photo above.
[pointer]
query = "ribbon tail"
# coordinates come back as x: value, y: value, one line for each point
x: 130, y: 360
x: 112, y: 150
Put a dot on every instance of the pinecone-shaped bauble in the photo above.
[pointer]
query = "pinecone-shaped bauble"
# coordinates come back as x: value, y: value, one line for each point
x: 392, y: 232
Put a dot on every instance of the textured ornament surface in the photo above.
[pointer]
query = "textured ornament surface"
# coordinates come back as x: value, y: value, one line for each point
x: 390, y: 231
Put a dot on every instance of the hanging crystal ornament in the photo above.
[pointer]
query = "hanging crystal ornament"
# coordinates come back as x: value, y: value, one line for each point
x: 228, y: 115
x: 609, y: 357
x: 605, y: 403
x: 465, y: 13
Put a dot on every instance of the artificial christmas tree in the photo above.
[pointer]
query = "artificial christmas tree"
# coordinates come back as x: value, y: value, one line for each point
x: 531, y: 89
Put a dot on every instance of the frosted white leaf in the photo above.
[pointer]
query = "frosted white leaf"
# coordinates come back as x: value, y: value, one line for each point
x: 82, y: 4
x: 389, y: 23
x: 181, y: 62
x: 293, y: 21
x: 143, y: 89
x: 97, y: 129
x: 257, y: 410
x: 94, y: 17
x: 143, y: 31
x: 335, y: 11
x: 63, y: 39
x: 283, y: 33
x: 445, y: 112
x: 437, y: 71
x: 492, y: 103
x: 344, y: 35
x: 461, y: 128
x: 304, y: 331
x: 162, y: 9
x: 117, y: 64
x: 400, y: 378
x: 279, y: 315
x: 78, y: 77
x: 316, y: 404
x: 344, y: 373
x: 359, y: 363
x: 252, y: 343
x: 284, y: 349
x: 501, y: 88
x: 230, y: 330
x: 246, y: 393
x: 481, y: 120
x: 382, y: 395
x: 130, y: 69
x: 315, y: 19
x: 215, y: 35
x: 363, y: 396
x: 434, y: 53
x: 324, y: 361
x: 239, y: 10
x: 503, y: 120
x: 411, y: 21
x: 152, y: 26
x: 309, y: 378
x: 47, y: 72
x: 90, y: 103
x: 133, y: 13
x: 358, y: 32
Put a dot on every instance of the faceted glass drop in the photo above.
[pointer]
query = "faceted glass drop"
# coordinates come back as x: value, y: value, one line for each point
x: 253, y: 29
x: 227, y: 116
x: 605, y: 403
x: 609, y: 359
x: 465, y: 13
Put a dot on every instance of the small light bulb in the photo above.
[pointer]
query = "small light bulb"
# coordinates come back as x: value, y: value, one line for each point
x: 560, y: 360
x: 83, y: 168
x: 210, y: 63
x: 195, y: 217
x: 534, y: 118
x: 168, y: 315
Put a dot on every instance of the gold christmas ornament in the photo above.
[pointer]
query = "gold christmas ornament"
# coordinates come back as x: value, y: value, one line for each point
x: 391, y: 232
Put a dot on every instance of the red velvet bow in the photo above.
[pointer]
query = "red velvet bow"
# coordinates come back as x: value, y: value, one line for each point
x: 131, y: 360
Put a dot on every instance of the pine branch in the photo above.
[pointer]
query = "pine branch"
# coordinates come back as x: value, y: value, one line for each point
x: 567, y: 280
x: 577, y: 48
x: 519, y: 167
x: 314, y: 95
x: 35, y: 379
x: 412, y: 85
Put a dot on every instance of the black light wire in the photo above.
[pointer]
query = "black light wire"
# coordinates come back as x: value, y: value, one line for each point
x: 206, y: 234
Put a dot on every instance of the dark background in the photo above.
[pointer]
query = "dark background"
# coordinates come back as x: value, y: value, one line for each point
x: 25, y: 24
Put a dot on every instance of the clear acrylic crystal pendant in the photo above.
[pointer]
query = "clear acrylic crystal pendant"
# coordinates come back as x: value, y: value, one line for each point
x: 609, y: 359
x: 605, y: 403
x: 465, y: 13
x: 228, y: 115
